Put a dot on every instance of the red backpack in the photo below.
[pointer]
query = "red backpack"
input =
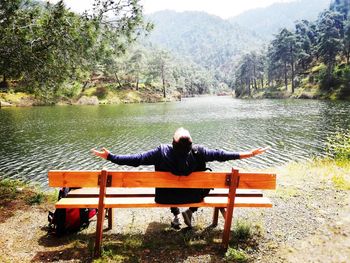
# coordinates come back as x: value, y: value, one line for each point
x: 69, y: 220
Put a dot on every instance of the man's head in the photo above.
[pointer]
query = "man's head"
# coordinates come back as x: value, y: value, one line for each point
x: 182, y: 141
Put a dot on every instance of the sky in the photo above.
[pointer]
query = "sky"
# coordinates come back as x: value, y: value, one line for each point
x: 222, y: 8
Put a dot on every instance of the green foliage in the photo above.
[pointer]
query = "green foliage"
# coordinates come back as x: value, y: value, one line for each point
x: 47, y: 46
x: 250, y: 73
x: 36, y: 199
x: 101, y: 92
x: 293, y: 55
x: 341, y: 6
x: 242, y: 231
x: 269, y: 20
x: 338, y: 145
x: 156, y: 69
x: 208, y: 41
x: 236, y: 255
x: 55, y: 53
x: 15, y: 190
x: 340, y: 182
x: 330, y: 27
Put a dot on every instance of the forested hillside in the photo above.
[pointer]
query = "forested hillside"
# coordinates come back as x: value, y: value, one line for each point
x: 206, y: 39
x: 268, y: 21
x: 310, y: 60
x: 54, y: 54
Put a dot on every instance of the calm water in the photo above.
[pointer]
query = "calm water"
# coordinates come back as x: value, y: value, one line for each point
x: 34, y: 140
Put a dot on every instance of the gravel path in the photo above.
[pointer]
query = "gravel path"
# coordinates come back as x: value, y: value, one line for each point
x: 310, y: 222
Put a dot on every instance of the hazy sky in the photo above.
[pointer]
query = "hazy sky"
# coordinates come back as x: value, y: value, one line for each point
x: 222, y: 8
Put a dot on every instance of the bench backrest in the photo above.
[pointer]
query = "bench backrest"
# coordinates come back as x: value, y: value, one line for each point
x: 144, y: 179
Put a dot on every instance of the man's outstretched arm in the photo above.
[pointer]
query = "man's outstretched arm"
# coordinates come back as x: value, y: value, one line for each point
x: 146, y: 158
x: 243, y: 155
x: 222, y: 156
x: 103, y: 154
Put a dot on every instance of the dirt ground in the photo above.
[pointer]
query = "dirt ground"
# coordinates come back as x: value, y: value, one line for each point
x: 310, y: 222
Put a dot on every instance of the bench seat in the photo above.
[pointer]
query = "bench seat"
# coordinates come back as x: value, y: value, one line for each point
x: 139, y: 202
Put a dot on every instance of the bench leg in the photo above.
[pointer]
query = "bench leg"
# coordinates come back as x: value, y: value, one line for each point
x: 215, y: 217
x: 230, y: 206
x: 110, y: 218
x: 99, y: 232
x: 222, y: 211
x: 227, y: 227
x: 101, y: 213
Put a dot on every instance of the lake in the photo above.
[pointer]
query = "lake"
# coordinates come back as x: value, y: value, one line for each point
x: 36, y: 139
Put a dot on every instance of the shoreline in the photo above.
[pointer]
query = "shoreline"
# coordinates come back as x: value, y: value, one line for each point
x: 130, y: 96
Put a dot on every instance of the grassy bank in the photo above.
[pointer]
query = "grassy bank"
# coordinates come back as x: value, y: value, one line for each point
x: 303, y: 92
x: 90, y: 96
x: 16, y: 195
x: 312, y: 84
x: 316, y: 192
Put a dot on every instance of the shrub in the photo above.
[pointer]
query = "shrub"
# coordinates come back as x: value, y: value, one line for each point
x: 14, y: 190
x: 242, y: 231
x: 101, y: 92
x: 36, y: 198
x: 9, y: 189
x: 236, y: 255
x: 338, y: 145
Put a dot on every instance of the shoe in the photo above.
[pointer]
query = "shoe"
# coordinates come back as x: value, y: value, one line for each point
x: 176, y: 223
x: 187, y: 215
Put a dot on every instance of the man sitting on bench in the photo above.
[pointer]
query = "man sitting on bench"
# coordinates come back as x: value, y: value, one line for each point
x: 180, y: 158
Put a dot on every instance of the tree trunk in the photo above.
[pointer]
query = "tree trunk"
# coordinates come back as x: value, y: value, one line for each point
x: 4, y: 84
x: 137, y: 81
x: 163, y: 81
x: 84, y: 86
x: 118, y: 81
x: 164, y: 91
x: 329, y: 73
x: 292, y: 74
x: 262, y: 82
x: 285, y: 76
x: 248, y: 86
x: 254, y: 73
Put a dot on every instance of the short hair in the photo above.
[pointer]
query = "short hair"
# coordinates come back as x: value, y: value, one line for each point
x: 182, y: 133
x: 182, y: 141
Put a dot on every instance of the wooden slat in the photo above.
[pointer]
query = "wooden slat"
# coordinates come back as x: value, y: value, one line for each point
x: 264, y: 181
x: 61, y: 178
x: 149, y: 202
x: 77, y: 203
x: 160, y: 179
x: 150, y: 192
x: 166, y: 179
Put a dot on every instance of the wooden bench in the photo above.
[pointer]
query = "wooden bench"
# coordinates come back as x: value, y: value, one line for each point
x: 135, y: 189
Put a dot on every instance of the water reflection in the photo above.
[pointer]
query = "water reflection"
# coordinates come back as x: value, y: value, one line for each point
x: 34, y: 140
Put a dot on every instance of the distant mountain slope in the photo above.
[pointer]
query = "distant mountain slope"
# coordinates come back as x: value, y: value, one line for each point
x: 267, y: 21
x: 206, y: 39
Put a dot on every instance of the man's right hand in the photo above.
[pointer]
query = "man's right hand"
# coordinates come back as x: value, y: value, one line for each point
x: 103, y: 154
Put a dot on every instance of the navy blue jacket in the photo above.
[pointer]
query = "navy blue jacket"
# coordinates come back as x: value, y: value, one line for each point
x: 165, y: 159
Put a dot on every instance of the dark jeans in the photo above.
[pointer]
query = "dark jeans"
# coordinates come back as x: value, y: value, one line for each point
x: 176, y: 210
